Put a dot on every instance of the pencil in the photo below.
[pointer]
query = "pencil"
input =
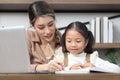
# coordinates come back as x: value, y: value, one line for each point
x: 53, y: 53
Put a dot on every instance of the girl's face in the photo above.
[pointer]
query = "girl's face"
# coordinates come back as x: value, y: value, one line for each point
x: 45, y: 27
x: 75, y: 42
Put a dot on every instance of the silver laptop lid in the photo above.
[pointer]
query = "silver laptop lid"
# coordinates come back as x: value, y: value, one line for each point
x: 14, y: 56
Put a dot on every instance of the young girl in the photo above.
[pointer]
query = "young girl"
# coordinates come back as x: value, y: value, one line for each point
x: 77, y: 50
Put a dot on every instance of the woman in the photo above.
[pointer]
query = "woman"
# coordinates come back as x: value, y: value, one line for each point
x: 43, y: 38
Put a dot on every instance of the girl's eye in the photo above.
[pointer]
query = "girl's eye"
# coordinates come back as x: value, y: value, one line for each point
x: 68, y: 41
x: 78, y: 41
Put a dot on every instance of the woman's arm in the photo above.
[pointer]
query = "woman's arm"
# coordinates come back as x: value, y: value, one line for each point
x: 52, y: 66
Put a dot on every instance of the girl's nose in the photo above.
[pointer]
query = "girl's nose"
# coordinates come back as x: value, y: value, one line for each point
x: 73, y: 44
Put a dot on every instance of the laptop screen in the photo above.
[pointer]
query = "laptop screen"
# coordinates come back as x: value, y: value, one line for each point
x: 14, y: 56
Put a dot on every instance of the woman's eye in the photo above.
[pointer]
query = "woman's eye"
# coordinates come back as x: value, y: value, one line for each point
x: 50, y: 25
x: 41, y: 27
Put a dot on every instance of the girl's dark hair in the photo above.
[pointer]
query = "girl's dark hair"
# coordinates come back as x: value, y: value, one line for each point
x: 82, y: 29
x: 39, y: 8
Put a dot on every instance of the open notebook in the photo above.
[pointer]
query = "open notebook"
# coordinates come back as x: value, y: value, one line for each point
x: 14, y: 57
x: 81, y: 71
x: 84, y: 71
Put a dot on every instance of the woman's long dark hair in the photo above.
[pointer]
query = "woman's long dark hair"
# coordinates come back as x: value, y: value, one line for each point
x: 39, y: 8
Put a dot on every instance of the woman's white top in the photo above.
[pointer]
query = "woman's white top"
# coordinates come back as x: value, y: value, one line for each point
x: 81, y: 59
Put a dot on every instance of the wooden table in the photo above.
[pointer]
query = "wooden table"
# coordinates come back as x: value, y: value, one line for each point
x: 34, y: 76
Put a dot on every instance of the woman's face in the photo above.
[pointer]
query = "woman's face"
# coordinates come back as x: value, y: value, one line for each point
x: 45, y: 27
x: 75, y: 42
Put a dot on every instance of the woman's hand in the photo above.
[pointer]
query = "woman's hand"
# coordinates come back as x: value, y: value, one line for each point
x: 55, y: 65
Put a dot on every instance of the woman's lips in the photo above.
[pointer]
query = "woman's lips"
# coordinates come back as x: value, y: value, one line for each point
x: 48, y: 36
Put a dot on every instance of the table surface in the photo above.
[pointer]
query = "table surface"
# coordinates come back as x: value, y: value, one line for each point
x: 38, y: 76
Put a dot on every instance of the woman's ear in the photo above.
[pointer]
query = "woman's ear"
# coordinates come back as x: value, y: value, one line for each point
x: 30, y: 24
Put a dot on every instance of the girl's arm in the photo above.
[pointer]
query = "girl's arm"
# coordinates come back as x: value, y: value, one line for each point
x: 106, y: 65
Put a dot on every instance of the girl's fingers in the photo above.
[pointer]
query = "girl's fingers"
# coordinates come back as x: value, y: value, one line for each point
x: 87, y: 65
x: 75, y: 67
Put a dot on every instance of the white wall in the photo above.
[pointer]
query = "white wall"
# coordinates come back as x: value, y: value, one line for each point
x: 62, y: 19
x: 14, y: 19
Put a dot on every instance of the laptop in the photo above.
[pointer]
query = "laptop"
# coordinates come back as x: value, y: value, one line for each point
x: 14, y: 56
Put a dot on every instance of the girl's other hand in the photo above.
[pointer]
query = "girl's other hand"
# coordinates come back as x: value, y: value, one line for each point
x: 86, y: 65
x: 75, y: 67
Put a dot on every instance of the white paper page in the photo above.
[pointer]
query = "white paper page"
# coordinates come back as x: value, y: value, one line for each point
x: 80, y: 71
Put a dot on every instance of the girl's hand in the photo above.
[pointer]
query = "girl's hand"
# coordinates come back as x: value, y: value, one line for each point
x: 55, y: 65
x: 87, y: 65
x: 75, y: 67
